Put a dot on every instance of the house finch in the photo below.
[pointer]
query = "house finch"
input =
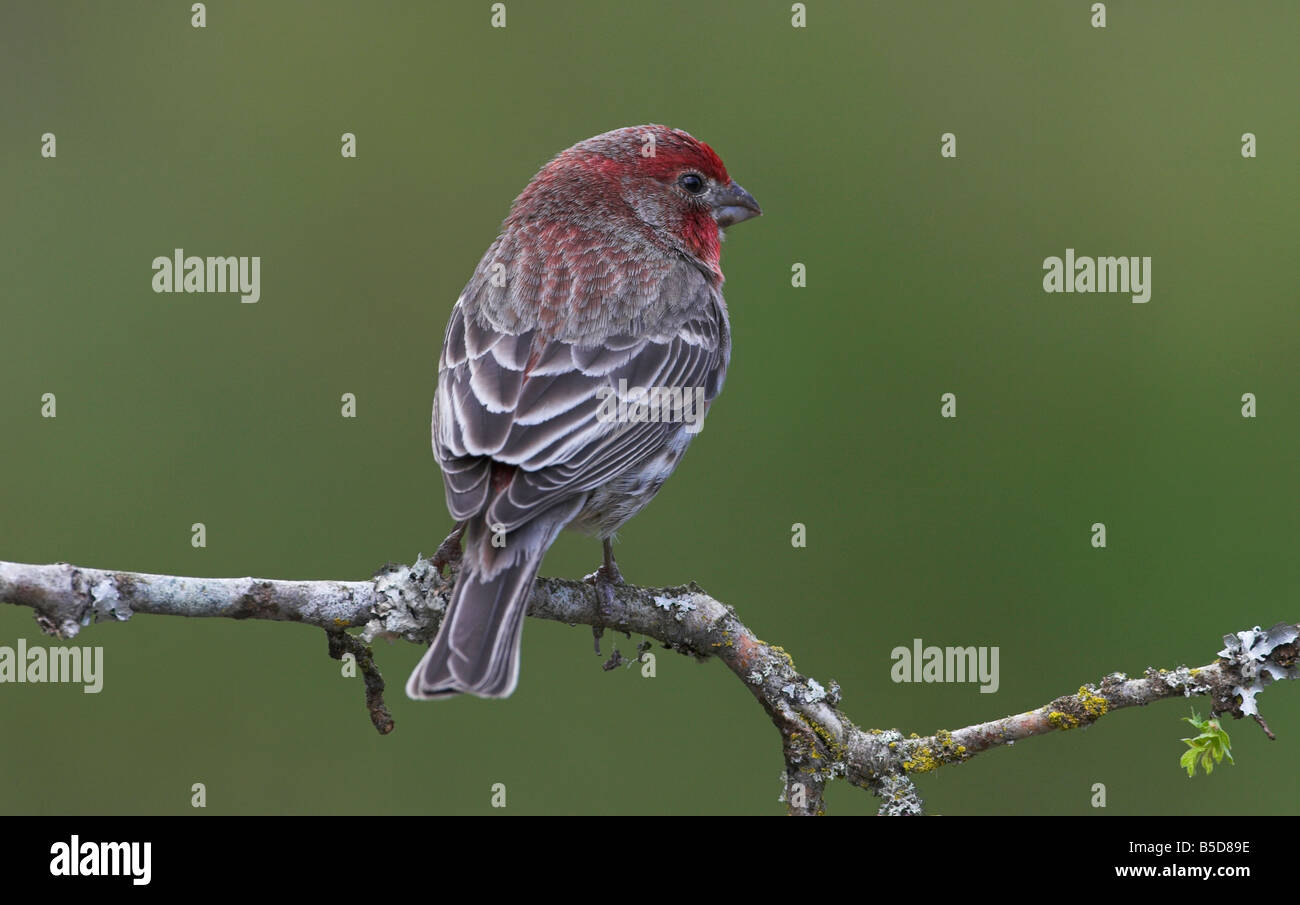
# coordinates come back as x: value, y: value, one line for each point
x: 603, y: 284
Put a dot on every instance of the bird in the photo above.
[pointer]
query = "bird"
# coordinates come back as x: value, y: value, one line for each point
x: 603, y: 287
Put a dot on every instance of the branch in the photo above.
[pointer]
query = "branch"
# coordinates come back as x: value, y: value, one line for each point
x: 819, y: 742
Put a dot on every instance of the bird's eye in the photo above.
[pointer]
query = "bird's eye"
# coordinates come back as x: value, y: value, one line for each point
x: 692, y: 182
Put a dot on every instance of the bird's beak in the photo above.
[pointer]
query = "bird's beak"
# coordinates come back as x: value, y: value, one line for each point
x: 731, y: 204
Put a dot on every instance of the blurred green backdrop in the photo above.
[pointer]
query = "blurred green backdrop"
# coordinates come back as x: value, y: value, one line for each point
x: 924, y: 277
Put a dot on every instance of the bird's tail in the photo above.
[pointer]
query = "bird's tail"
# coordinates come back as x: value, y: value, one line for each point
x: 477, y: 647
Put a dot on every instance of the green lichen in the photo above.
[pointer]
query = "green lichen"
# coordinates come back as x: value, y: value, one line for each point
x: 922, y: 758
x: 1083, y: 708
x: 1062, y: 720
x: 952, y: 753
x: 1092, y: 703
x: 922, y: 761
x: 829, y: 764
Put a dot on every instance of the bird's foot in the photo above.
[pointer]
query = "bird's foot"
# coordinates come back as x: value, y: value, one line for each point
x: 448, y: 552
x: 606, y: 581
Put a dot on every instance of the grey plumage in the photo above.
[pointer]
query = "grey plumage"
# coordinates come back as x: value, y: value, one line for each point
x: 568, y: 300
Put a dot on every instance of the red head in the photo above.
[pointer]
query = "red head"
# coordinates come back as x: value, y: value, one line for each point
x: 661, y: 184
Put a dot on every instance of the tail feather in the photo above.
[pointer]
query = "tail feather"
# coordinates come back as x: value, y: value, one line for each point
x: 477, y: 647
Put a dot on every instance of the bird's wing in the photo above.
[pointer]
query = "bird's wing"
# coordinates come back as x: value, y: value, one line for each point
x: 533, y: 402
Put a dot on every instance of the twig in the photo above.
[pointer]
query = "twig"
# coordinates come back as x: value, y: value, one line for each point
x: 818, y: 741
x: 341, y: 644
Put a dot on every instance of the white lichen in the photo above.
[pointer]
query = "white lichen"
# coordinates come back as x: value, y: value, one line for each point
x: 106, y: 601
x: 1249, y: 652
x: 671, y: 604
x: 801, y: 694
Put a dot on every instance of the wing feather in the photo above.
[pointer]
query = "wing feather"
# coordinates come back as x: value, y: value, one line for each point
x: 537, y: 402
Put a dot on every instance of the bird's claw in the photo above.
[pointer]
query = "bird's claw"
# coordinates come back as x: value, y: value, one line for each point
x: 605, y: 580
x: 605, y: 575
x: 448, y: 552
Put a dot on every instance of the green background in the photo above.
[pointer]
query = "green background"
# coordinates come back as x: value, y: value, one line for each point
x: 924, y: 277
